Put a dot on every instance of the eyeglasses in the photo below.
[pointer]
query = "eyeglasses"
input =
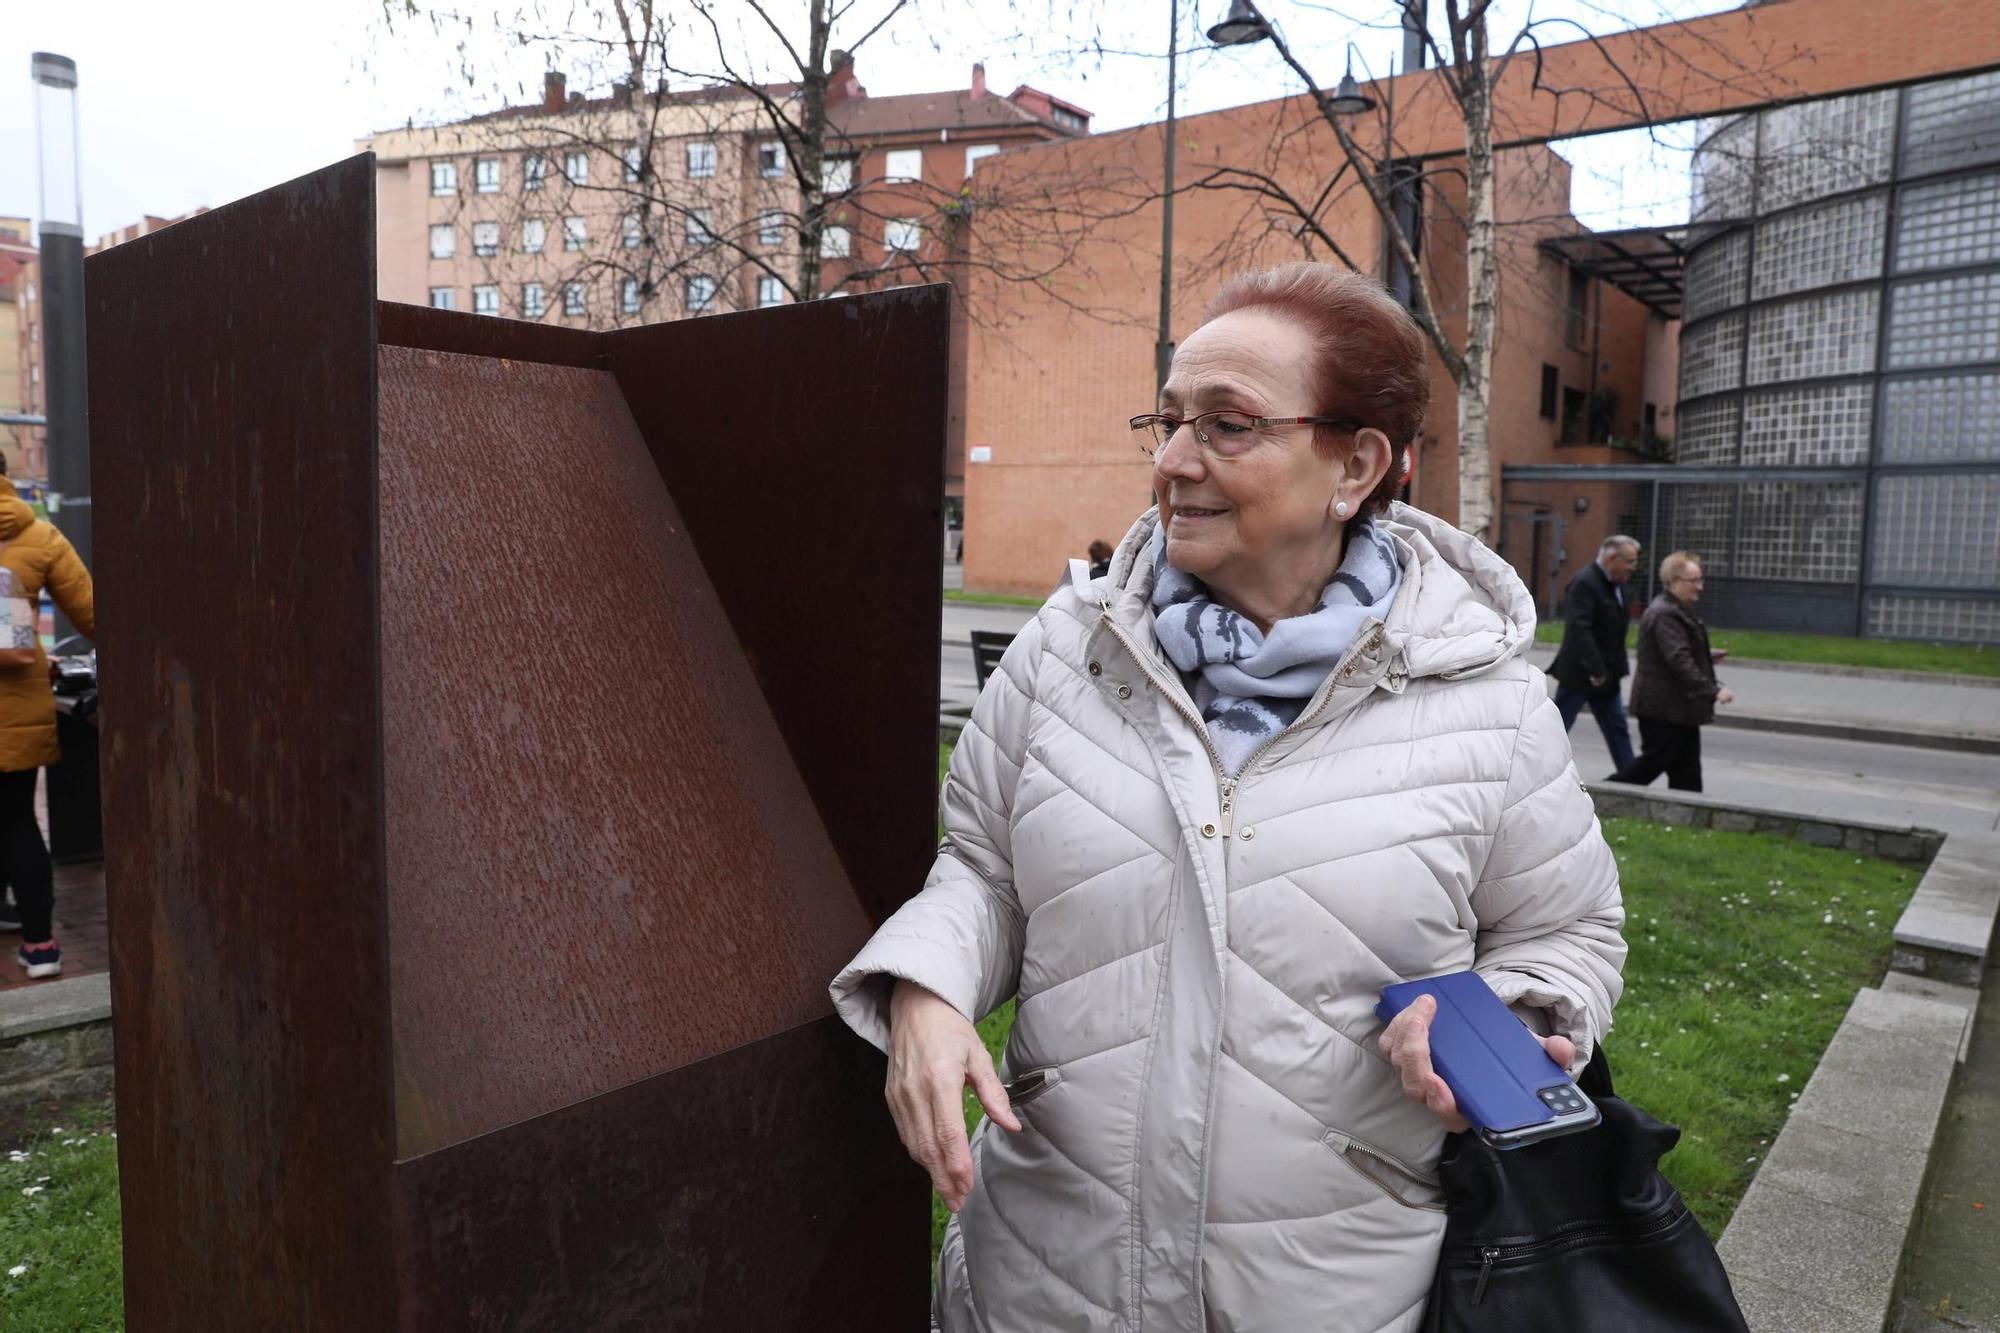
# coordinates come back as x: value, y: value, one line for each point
x: 1224, y: 434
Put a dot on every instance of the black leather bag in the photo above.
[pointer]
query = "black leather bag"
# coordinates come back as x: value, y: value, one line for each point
x: 1576, y: 1234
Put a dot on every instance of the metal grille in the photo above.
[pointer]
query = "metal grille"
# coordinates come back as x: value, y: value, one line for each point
x: 1944, y: 322
x: 1953, y: 123
x: 1826, y: 425
x: 1949, y: 223
x: 1940, y: 531
x: 1712, y: 356
x: 1818, y: 247
x: 1791, y: 530
x: 1714, y: 276
x: 1815, y: 149
x: 1953, y: 418
x: 1825, y: 335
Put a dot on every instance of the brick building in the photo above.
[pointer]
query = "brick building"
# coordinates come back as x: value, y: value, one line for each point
x: 632, y: 209
x: 21, y: 387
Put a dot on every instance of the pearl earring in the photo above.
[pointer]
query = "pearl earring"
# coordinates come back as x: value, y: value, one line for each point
x: 1340, y: 509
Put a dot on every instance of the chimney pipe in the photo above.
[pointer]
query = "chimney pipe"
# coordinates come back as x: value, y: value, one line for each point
x: 555, y: 88
x: 978, y: 78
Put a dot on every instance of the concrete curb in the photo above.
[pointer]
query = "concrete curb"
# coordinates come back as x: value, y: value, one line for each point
x: 1867, y: 673
x: 1889, y: 842
x: 1927, y: 738
x: 71, y: 1002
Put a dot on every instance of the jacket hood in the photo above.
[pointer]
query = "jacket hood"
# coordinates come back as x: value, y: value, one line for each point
x: 1461, y: 610
x: 15, y: 516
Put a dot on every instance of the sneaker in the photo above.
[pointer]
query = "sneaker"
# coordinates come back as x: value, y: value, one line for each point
x: 41, y: 960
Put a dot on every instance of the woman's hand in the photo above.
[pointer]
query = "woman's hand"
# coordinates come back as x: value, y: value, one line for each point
x: 1407, y: 1045
x: 1725, y: 696
x: 933, y: 1054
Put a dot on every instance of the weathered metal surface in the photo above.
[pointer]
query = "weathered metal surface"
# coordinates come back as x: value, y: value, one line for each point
x: 804, y: 446
x: 761, y: 1190
x: 590, y: 804
x: 492, y: 846
x: 232, y: 380
x: 400, y: 325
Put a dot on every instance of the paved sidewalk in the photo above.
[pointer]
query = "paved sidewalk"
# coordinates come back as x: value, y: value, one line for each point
x: 1769, y: 694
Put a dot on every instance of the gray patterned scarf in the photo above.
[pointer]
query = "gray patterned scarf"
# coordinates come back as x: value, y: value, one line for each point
x: 1250, y: 685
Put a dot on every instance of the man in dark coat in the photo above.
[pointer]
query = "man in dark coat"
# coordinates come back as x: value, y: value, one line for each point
x: 1674, y: 692
x: 1592, y: 660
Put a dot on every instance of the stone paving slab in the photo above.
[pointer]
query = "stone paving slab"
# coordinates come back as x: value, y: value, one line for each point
x: 62, y: 1003
x: 1929, y: 988
x: 1954, y: 910
x: 1819, y: 1237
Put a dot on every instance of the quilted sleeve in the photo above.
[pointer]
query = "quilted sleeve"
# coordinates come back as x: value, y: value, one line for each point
x: 961, y: 936
x: 70, y: 587
x: 1549, y: 910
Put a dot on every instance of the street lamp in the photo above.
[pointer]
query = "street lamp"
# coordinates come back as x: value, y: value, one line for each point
x: 1243, y: 26
x: 1348, y: 99
x: 61, y: 247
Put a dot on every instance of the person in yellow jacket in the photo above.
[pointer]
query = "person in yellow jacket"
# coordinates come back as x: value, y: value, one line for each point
x: 33, y: 556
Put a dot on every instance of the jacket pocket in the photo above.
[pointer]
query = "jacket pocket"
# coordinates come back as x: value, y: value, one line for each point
x: 1032, y: 1083
x: 1393, y: 1176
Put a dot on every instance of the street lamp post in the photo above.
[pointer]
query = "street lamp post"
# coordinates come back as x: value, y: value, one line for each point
x: 61, y: 239
x: 1163, y: 346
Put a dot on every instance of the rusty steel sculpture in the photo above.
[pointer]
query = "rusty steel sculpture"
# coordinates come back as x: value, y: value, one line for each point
x: 510, y: 729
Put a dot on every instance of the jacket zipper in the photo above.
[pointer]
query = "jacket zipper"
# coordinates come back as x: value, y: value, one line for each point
x: 1492, y: 1254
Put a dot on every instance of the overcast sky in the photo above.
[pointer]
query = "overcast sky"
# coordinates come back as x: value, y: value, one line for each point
x: 204, y: 101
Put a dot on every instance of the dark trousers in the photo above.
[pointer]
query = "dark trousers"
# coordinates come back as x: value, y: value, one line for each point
x: 1673, y: 748
x: 25, y: 857
x: 1608, y: 707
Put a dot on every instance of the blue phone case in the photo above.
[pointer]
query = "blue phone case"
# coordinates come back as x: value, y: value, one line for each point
x: 1486, y: 1055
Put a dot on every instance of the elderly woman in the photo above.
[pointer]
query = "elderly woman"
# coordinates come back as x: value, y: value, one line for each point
x: 1285, y: 753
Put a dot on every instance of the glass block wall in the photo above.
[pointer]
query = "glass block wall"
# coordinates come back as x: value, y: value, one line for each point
x: 1842, y: 312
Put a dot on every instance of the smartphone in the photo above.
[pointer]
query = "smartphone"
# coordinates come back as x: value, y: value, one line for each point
x: 1506, y: 1085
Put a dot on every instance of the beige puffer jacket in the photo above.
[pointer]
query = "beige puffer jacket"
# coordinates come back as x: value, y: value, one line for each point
x: 1211, y: 1139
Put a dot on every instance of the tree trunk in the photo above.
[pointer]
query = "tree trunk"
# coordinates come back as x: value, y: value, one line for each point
x: 1482, y: 282
x: 811, y: 150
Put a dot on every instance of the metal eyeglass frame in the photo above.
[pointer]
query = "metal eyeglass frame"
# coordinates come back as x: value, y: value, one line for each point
x: 1142, y: 425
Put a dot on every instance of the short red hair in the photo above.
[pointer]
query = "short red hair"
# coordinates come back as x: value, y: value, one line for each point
x: 1370, y: 354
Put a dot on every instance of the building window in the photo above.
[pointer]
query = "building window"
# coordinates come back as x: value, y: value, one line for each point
x: 533, y: 167
x: 977, y: 151
x: 573, y: 234
x: 444, y: 244
x: 444, y: 178
x: 1579, y: 307
x: 1652, y: 419
x: 628, y: 296
x: 701, y: 160
x: 485, y: 300
x: 486, y: 239
x: 701, y: 226
x: 836, y: 175
x: 770, y: 226
x: 1571, y: 430
x: 576, y: 168
x: 572, y: 298
x: 534, y: 235
x: 534, y: 302
x: 635, y: 163
x: 1549, y: 392
x: 486, y: 175
x: 901, y: 234
x: 1066, y: 118
x: 630, y: 236
x: 835, y: 243
x: 442, y: 299
x: 770, y: 291
x: 904, y: 164
x: 770, y: 159
x: 700, y: 293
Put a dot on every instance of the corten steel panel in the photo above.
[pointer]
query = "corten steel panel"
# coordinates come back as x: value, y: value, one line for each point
x: 402, y: 325
x: 604, y: 864
x: 232, y: 378
x: 805, y: 446
x: 781, y: 1146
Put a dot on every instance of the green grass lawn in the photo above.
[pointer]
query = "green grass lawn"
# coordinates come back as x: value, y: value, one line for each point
x: 1961, y: 659
x: 990, y: 598
x: 1746, y: 950
x: 60, y: 1265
